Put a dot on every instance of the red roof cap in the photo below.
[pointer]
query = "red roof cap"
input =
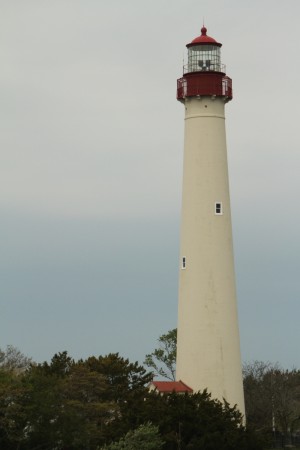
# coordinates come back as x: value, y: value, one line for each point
x: 204, y: 39
x: 171, y: 386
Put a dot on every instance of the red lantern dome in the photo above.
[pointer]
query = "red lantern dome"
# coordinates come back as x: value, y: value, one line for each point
x: 204, y: 39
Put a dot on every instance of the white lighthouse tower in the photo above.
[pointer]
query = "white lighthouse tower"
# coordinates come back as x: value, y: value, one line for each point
x: 208, y: 348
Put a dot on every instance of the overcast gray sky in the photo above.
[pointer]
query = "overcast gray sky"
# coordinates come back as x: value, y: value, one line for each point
x: 91, y: 147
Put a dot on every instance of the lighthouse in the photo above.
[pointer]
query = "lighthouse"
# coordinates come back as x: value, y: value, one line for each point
x: 208, y: 345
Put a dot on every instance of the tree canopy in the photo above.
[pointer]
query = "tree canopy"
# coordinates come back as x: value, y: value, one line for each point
x: 12, y: 359
x: 272, y: 399
x: 104, y: 402
x: 145, y: 437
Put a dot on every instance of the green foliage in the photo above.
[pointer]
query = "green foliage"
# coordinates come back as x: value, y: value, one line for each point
x: 67, y: 404
x: 85, y: 405
x: 196, y: 422
x: 122, y: 376
x: 67, y: 410
x: 145, y: 437
x: 163, y: 359
x: 60, y: 365
x: 126, y: 386
x: 13, y: 417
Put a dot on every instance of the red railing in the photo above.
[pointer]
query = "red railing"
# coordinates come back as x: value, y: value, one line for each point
x: 204, y: 83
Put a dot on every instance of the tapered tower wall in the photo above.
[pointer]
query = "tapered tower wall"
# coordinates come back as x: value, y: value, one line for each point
x: 208, y: 353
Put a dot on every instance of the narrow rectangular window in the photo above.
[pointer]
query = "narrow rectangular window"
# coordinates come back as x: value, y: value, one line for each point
x: 218, y: 208
x: 183, y: 266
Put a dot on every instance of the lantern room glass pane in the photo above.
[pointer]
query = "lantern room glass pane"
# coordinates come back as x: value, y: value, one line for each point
x: 204, y: 58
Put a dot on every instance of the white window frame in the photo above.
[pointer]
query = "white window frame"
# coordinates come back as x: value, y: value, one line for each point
x: 219, y: 207
x: 183, y: 263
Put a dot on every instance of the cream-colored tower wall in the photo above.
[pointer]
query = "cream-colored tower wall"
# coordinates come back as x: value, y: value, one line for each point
x: 208, y: 353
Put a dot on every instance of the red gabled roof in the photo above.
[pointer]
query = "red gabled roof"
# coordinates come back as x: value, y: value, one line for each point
x: 171, y: 386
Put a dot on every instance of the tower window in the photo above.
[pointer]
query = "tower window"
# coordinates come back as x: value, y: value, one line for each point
x: 183, y: 265
x: 218, y: 208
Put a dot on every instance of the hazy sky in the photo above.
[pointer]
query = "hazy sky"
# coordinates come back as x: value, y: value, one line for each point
x: 91, y: 146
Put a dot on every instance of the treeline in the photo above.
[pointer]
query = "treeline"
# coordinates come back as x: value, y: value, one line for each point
x: 272, y: 400
x: 104, y: 403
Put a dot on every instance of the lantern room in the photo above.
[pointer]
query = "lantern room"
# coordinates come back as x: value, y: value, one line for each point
x: 204, y: 57
x: 204, y: 54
